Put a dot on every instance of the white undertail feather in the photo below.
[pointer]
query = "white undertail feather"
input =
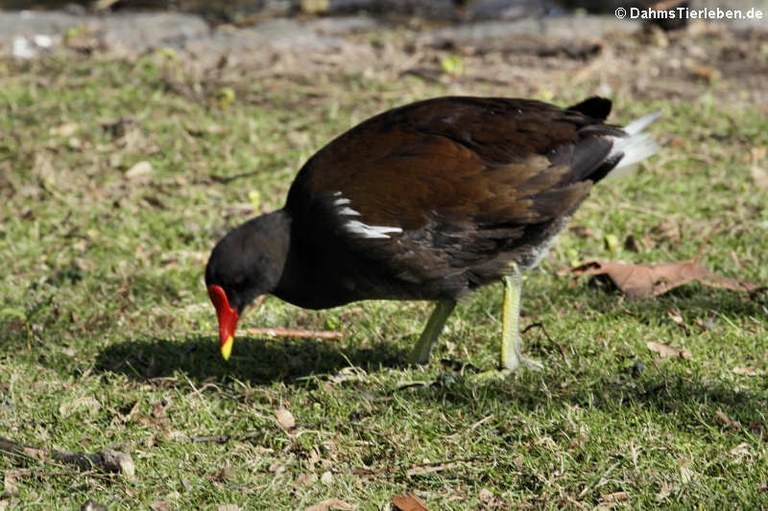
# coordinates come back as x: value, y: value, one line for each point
x: 636, y: 147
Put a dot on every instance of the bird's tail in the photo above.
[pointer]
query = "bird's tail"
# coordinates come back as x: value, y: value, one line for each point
x: 635, y: 146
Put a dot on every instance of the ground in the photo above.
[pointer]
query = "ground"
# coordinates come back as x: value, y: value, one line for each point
x: 118, y: 174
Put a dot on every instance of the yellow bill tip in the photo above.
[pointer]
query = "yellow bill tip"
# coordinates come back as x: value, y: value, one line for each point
x: 226, y: 347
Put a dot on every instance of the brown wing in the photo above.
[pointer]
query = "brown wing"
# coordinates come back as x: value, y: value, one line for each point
x: 437, y: 186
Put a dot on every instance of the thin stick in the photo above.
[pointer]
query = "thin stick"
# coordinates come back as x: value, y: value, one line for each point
x: 217, y: 439
x: 296, y: 333
x: 114, y: 462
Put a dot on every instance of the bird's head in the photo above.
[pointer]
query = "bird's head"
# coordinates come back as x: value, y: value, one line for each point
x: 244, y: 266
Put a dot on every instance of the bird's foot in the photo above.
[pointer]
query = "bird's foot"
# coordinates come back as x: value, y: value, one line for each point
x: 512, y: 366
x: 530, y: 363
x: 492, y: 375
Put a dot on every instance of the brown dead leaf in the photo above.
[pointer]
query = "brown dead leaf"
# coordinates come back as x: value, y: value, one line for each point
x: 705, y: 72
x: 408, y: 502
x: 328, y: 505
x: 87, y: 404
x: 741, y: 451
x: 139, y: 170
x: 305, y: 479
x: 747, y: 371
x: 9, y: 483
x: 667, y: 351
x: 285, y: 418
x: 646, y: 280
x: 619, y: 496
x: 723, y: 417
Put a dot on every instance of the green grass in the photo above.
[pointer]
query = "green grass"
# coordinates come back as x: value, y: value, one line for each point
x: 107, y: 339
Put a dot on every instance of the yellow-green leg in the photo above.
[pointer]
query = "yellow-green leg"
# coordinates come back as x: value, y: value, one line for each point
x: 511, y: 341
x: 435, y: 324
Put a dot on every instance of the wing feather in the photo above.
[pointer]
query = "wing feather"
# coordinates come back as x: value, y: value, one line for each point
x: 448, y: 183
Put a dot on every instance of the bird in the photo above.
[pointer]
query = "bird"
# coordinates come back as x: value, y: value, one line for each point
x: 427, y: 201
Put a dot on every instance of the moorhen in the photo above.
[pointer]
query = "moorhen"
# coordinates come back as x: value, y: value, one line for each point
x: 428, y: 201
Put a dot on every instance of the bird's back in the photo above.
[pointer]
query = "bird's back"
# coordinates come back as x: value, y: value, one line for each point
x: 433, y: 199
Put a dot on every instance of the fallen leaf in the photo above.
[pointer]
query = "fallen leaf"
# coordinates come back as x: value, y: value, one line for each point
x: 141, y: 169
x: 618, y: 496
x: 285, y: 418
x: 747, y: 371
x: 667, y: 351
x: 88, y: 404
x: 741, y: 451
x: 327, y: 477
x: 645, y: 280
x: 408, y: 502
x: 306, y: 479
x: 486, y: 496
x: 9, y: 484
x: 676, y: 317
x: 228, y: 507
x: 705, y: 72
x: 723, y: 417
x: 328, y: 505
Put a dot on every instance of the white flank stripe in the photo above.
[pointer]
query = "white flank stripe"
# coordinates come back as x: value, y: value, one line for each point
x: 347, y: 211
x: 358, y: 228
x: 342, y: 202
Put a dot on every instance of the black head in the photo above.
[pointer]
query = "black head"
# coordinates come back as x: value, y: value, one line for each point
x: 245, y: 264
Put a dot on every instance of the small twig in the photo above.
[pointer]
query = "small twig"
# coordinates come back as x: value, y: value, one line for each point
x: 228, y: 179
x: 551, y: 341
x: 296, y: 333
x: 114, y: 462
x: 217, y: 439
x: 423, y: 468
x: 538, y: 325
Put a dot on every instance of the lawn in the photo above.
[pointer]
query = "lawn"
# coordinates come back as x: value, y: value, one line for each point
x: 117, y: 176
